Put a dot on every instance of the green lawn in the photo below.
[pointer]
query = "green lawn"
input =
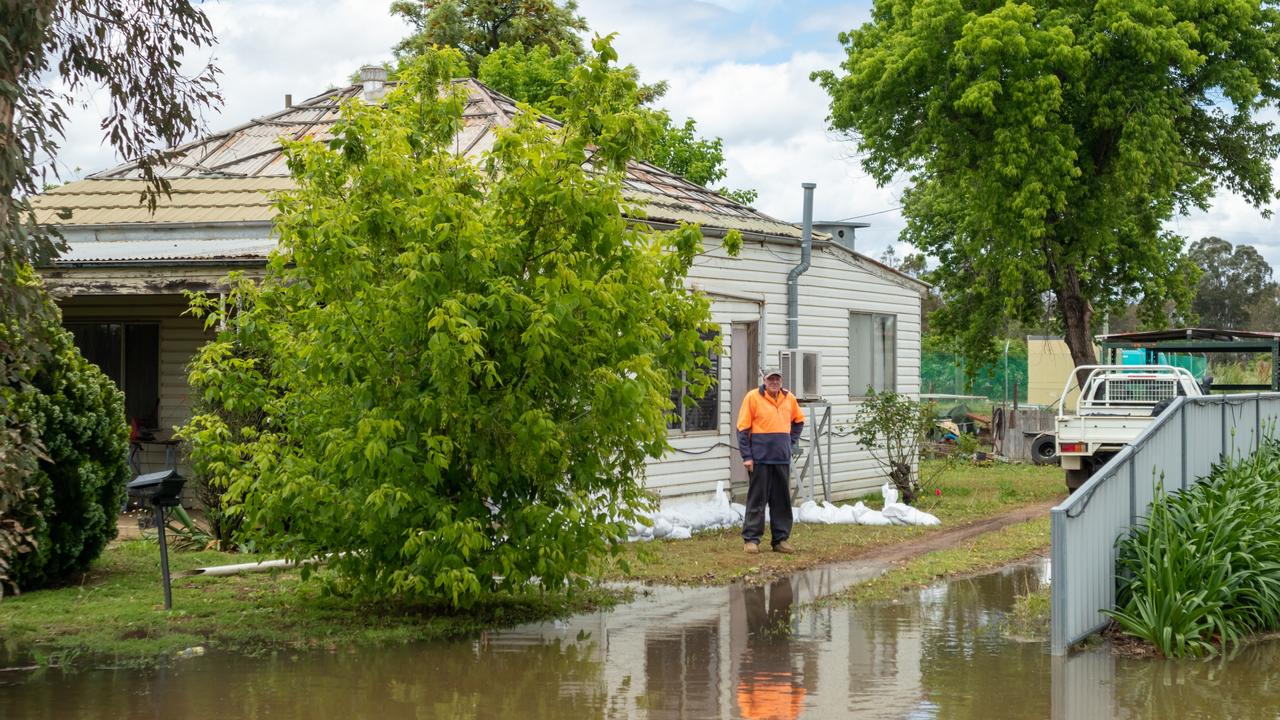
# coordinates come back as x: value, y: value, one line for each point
x: 968, y: 493
x: 116, y: 614
x: 985, y: 552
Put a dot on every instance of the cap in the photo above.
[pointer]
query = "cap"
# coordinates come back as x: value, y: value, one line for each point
x: 771, y: 371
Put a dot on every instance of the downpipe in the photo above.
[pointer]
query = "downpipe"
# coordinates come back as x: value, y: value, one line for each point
x: 793, y: 277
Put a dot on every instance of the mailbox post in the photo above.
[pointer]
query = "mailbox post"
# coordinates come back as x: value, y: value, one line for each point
x: 160, y: 490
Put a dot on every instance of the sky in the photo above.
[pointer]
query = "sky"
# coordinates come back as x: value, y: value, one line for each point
x: 740, y: 68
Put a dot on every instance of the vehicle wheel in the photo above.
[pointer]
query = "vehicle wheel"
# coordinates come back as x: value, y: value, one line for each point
x: 1044, y: 451
x: 1076, y: 478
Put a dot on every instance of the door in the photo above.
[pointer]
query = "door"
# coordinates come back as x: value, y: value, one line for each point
x: 744, y: 374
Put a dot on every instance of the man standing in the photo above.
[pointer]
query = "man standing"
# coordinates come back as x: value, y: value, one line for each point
x: 768, y: 425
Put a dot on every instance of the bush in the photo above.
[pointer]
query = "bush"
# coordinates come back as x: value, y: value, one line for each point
x: 894, y: 429
x: 1204, y: 569
x: 452, y: 374
x: 72, y: 496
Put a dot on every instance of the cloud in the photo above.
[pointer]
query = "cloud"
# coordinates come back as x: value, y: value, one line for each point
x: 739, y: 67
x: 265, y: 50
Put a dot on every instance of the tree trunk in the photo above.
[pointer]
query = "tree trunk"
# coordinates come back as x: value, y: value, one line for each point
x: 1077, y: 320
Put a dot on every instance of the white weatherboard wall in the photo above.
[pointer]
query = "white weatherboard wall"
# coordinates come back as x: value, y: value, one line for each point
x: 753, y: 286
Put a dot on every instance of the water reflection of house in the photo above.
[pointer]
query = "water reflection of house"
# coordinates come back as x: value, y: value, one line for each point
x: 122, y: 281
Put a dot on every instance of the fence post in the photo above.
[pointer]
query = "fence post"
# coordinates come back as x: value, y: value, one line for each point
x: 1257, y: 422
x: 1222, y: 455
x: 1182, y: 420
x: 1133, y: 485
x: 1058, y: 589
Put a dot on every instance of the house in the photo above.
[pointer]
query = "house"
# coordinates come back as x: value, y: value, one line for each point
x: 121, y: 285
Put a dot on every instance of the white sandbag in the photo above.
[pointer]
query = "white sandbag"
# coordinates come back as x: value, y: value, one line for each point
x: 906, y: 515
x: 739, y: 511
x: 890, y: 494
x: 808, y: 512
x: 661, y: 527
x: 680, y: 532
x: 846, y: 515
x: 873, y: 517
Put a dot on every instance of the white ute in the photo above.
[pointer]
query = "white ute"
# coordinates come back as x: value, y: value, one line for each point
x: 1114, y: 405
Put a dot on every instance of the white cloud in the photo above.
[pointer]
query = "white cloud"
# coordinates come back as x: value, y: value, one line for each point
x: 265, y: 50
x: 739, y: 67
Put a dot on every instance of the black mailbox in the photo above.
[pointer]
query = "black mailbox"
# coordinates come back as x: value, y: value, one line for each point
x: 161, y: 489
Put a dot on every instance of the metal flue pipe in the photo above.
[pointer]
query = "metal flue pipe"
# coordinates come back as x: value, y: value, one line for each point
x: 793, y: 277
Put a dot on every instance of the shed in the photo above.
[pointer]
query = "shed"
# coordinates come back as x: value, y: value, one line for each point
x: 121, y: 285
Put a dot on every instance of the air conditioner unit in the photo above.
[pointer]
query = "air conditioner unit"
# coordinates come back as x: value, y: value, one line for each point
x: 802, y: 372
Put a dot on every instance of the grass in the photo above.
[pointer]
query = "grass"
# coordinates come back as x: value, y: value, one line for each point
x: 1030, y: 616
x: 968, y: 493
x: 116, y: 617
x: 984, y: 552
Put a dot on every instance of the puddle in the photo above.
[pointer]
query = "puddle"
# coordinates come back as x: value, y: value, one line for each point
x: 702, y: 652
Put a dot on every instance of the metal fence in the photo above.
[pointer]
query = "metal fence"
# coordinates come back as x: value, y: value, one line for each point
x: 1177, y: 450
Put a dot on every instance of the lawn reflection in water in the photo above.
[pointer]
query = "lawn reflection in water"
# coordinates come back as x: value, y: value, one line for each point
x: 696, y: 653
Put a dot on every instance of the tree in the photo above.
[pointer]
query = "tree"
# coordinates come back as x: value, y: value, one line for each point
x: 1047, y: 145
x: 479, y: 27
x: 536, y: 76
x: 132, y: 50
x: 1232, y: 281
x: 456, y: 371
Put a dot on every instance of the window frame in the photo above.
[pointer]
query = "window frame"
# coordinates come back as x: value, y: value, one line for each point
x: 882, y: 364
x: 121, y: 329
x: 678, y: 395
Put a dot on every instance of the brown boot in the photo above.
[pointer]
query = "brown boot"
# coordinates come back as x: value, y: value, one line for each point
x: 784, y: 547
x: 751, y: 548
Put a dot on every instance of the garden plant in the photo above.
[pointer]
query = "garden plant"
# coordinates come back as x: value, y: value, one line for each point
x: 454, y: 371
x: 1203, y: 571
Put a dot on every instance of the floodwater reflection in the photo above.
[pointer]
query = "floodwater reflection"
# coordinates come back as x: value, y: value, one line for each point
x: 737, y: 652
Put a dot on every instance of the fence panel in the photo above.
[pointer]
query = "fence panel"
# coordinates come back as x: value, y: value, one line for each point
x: 1179, y: 449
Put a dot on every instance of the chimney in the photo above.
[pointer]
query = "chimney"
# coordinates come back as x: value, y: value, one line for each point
x: 841, y: 231
x: 374, y: 79
x: 288, y: 101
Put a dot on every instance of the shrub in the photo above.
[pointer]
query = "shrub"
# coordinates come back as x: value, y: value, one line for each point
x: 894, y: 429
x: 452, y: 374
x: 72, y: 496
x: 1203, y: 571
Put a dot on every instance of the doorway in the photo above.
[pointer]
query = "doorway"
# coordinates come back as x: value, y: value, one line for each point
x: 744, y: 373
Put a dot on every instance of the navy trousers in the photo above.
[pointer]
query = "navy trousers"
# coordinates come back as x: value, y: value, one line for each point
x: 771, y: 485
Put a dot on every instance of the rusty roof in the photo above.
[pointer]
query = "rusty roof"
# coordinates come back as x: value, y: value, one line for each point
x: 228, y: 176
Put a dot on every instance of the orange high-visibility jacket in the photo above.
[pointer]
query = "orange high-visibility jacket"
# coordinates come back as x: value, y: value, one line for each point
x: 768, y: 427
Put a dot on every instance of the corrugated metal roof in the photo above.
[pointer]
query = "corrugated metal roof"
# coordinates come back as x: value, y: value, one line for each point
x: 226, y: 177
x: 144, y: 250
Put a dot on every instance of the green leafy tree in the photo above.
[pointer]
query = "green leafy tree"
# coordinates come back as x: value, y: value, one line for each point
x: 456, y: 370
x: 1232, y: 281
x: 1047, y: 145
x: 479, y: 27
x: 536, y: 76
x: 132, y: 50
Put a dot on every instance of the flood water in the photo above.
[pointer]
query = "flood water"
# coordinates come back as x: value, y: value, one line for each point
x: 700, y: 653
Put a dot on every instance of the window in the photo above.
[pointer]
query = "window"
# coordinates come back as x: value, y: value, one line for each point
x: 129, y: 354
x: 693, y: 414
x: 873, y: 353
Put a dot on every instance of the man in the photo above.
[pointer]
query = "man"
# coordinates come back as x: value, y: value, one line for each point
x: 768, y: 426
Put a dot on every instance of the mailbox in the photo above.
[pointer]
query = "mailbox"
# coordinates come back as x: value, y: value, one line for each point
x: 161, y: 489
